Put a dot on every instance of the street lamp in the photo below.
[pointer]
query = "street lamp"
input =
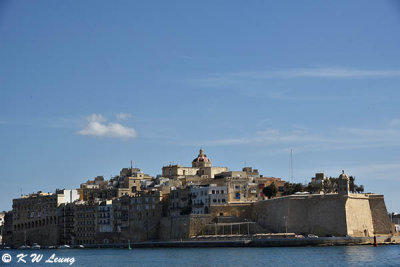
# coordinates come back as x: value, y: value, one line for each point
x: 285, y: 217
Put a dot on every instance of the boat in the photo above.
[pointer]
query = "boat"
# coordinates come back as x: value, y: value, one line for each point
x: 24, y: 247
x: 35, y: 246
x: 63, y: 246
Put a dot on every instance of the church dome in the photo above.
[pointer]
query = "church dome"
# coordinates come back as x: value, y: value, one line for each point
x: 201, y: 158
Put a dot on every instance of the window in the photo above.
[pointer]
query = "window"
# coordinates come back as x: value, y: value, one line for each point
x: 214, y: 200
x: 237, y: 196
x: 213, y: 192
x: 223, y: 200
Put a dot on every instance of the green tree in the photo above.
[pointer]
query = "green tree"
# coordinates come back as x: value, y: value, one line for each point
x: 314, y: 188
x: 298, y: 188
x: 351, y: 184
x: 359, y: 189
x: 270, y: 190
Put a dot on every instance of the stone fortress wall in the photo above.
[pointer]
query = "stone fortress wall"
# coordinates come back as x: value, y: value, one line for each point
x: 325, y: 214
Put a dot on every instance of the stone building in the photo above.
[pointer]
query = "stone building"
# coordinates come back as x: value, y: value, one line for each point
x: 66, y: 222
x: 7, y: 229
x: 127, y: 183
x: 105, y: 217
x: 145, y: 212
x: 85, y: 218
x: 203, y: 197
x: 120, y: 208
x: 180, y: 202
x: 319, y: 178
x: 201, y: 169
x: 35, y: 217
x: 266, y: 181
x: 105, y: 223
x: 240, y: 189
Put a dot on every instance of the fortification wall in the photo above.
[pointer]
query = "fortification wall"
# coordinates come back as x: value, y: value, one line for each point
x: 182, y: 227
x: 355, y: 215
x: 313, y: 214
x: 380, y: 217
x: 244, y: 210
x: 358, y: 216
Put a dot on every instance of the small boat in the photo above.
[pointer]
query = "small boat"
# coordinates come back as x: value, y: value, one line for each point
x: 63, y: 246
x: 81, y: 246
x: 24, y: 247
x: 35, y: 246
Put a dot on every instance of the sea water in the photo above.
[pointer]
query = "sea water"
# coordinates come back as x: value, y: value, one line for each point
x: 388, y: 255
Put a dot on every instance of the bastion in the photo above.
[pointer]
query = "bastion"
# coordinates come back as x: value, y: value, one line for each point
x: 355, y: 215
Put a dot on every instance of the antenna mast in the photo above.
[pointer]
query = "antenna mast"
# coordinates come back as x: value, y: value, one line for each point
x: 291, y: 165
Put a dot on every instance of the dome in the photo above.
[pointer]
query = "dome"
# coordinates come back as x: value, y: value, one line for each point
x: 201, y: 157
x: 201, y: 160
x: 343, y: 176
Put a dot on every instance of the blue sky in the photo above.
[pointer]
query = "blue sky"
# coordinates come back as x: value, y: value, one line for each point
x: 87, y: 86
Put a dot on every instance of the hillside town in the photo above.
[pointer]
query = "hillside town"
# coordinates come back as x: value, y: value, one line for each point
x: 194, y: 203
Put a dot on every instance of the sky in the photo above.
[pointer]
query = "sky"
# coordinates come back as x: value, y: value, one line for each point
x: 88, y: 86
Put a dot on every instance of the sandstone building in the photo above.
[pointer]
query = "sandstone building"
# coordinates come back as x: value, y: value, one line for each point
x: 201, y: 169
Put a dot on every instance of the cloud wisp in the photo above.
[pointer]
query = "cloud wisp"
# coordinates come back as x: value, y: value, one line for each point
x: 303, y: 140
x: 123, y: 116
x: 97, y: 125
x: 231, y: 78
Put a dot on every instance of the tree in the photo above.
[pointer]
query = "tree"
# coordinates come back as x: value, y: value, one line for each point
x: 270, y: 190
x: 314, y: 188
x: 359, y: 189
x: 351, y: 184
x: 298, y: 188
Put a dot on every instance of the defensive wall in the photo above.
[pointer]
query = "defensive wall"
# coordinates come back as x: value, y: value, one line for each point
x: 358, y: 215
x: 183, y: 227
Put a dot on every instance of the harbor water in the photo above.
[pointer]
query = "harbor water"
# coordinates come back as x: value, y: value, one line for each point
x: 388, y: 255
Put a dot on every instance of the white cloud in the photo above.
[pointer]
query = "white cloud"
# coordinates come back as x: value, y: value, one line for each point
x: 123, y: 116
x: 96, y: 118
x: 231, y: 78
x: 96, y: 125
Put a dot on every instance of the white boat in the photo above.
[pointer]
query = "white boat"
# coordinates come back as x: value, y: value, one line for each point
x: 24, y: 247
x: 64, y: 246
x: 81, y: 246
x: 35, y: 246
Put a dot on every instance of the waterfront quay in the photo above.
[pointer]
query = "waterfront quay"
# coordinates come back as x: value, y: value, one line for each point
x: 211, y: 242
